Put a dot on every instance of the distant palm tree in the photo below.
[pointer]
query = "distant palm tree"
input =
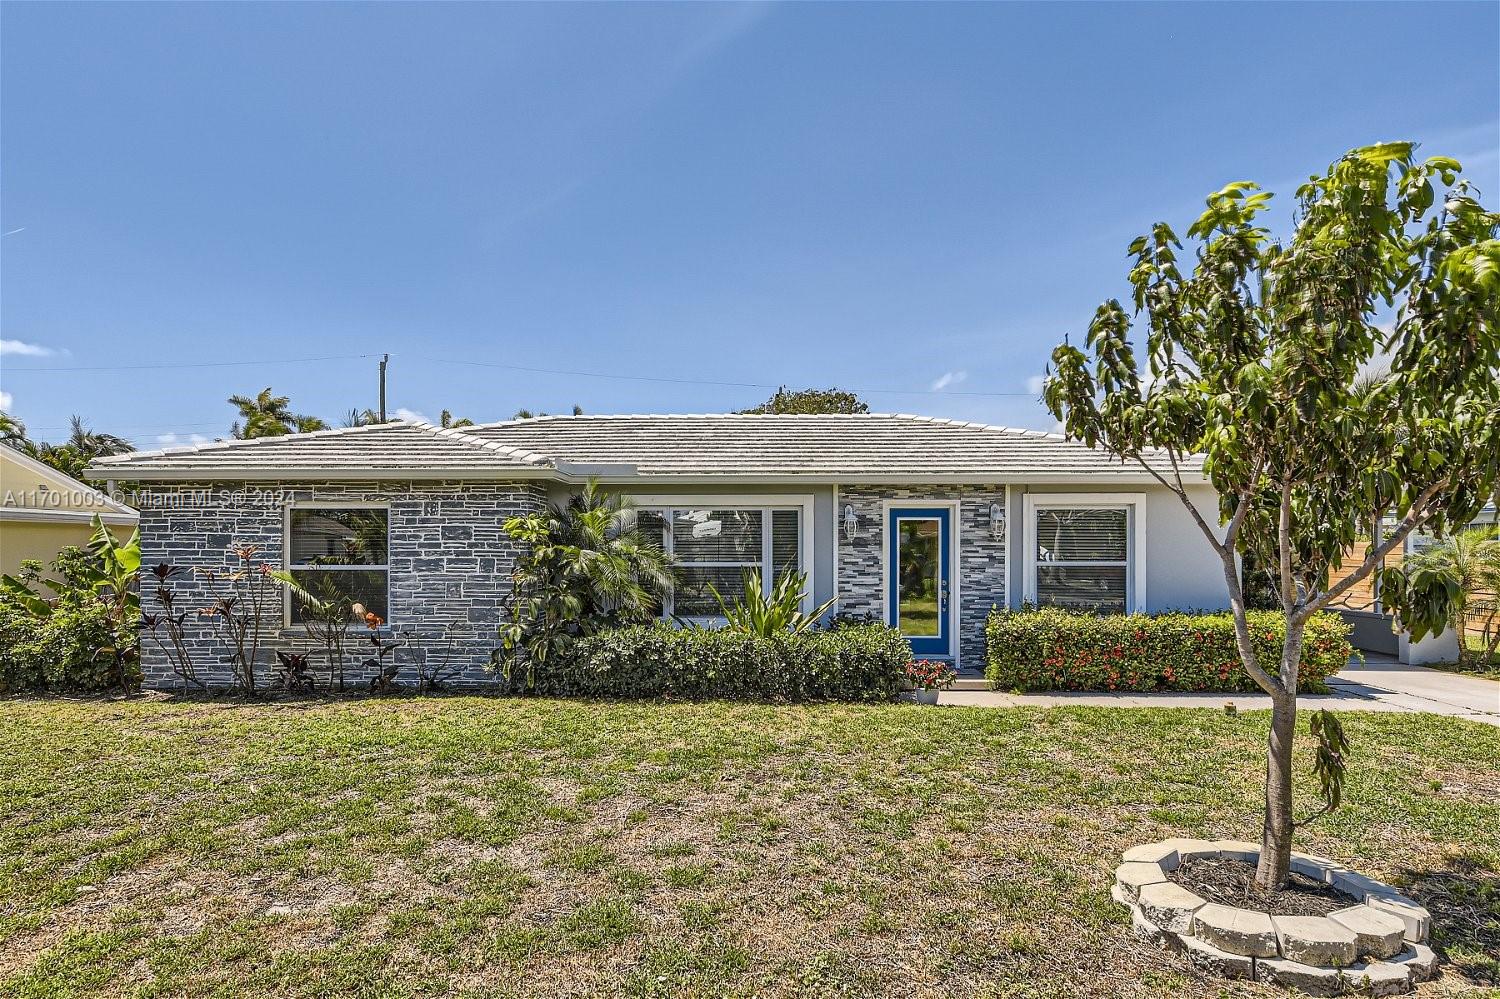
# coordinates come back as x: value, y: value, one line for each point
x: 82, y: 446
x: 93, y: 443
x: 269, y: 415
x: 361, y: 418
x: 13, y: 432
x: 307, y: 424
x: 447, y: 422
x: 526, y: 414
x: 1470, y: 559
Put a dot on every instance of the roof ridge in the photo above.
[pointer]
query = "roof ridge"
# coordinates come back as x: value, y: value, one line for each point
x: 457, y: 433
x: 42, y: 468
x: 232, y: 442
x: 1018, y: 431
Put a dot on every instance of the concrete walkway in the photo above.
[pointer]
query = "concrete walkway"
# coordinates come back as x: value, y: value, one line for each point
x: 1375, y: 685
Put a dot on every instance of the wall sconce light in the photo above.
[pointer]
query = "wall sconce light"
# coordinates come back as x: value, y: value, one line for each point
x: 997, y: 521
x: 851, y: 523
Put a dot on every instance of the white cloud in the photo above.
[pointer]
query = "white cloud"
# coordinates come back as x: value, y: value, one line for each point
x: 1034, y: 384
x: 6, y: 400
x: 402, y: 413
x: 21, y: 348
x: 169, y: 439
x: 949, y: 378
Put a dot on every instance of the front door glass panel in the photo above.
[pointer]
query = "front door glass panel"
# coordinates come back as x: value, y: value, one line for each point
x: 919, y: 577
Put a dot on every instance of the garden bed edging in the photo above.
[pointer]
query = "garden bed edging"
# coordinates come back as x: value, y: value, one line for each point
x: 1376, y: 946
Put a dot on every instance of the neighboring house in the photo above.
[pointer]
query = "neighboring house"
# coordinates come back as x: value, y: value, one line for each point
x: 1375, y: 629
x: 42, y: 511
x: 925, y: 523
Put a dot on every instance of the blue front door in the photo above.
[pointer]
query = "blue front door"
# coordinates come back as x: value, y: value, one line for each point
x: 919, y: 572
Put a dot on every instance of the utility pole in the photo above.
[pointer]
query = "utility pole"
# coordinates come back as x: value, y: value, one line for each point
x: 384, y: 358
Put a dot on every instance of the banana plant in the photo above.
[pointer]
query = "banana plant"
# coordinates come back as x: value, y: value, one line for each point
x: 110, y: 576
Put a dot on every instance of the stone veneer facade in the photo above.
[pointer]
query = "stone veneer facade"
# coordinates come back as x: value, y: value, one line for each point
x: 450, y: 564
x: 981, y: 557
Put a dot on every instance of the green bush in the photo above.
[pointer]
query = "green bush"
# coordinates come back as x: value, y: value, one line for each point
x: 860, y: 663
x: 61, y: 651
x: 1052, y: 649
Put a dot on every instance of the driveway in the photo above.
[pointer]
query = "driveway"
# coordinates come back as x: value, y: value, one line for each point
x: 1378, y: 684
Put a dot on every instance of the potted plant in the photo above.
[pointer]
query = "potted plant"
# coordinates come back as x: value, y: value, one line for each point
x: 927, y: 677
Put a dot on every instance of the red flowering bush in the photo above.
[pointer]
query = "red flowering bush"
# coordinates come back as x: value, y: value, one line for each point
x: 1047, y: 648
x: 930, y: 674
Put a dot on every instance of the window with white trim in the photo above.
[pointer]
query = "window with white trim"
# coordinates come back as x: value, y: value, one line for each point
x: 1082, y: 558
x: 718, y: 546
x: 343, y: 550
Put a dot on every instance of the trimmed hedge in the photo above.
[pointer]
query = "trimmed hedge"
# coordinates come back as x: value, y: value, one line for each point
x: 858, y: 663
x: 1048, y: 648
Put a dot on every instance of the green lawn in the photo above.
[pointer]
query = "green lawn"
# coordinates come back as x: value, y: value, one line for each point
x: 477, y: 847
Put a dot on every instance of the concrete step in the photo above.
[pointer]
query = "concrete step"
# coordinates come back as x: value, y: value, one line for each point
x: 970, y: 682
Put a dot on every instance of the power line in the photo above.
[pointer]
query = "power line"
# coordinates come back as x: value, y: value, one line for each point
x: 530, y: 369
x: 702, y: 381
x: 196, y: 364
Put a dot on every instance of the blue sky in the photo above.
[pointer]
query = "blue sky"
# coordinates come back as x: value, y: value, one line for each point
x: 915, y: 202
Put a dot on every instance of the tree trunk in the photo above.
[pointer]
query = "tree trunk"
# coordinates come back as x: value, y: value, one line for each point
x: 1276, y: 833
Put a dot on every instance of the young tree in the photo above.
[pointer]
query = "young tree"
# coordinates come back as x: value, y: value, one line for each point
x: 1253, y: 362
x: 805, y: 401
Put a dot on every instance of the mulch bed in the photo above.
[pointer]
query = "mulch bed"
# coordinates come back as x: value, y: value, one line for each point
x: 1232, y: 882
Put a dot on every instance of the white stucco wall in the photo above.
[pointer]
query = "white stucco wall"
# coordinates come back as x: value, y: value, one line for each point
x: 1181, y: 571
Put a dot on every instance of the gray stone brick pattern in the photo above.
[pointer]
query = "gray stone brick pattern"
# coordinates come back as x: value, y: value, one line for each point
x: 981, y: 557
x: 450, y: 566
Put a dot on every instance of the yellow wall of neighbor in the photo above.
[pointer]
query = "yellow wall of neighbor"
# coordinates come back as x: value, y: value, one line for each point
x: 24, y: 486
x: 21, y: 540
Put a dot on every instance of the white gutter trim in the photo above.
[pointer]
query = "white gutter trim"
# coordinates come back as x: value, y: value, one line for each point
x: 609, y: 475
x: 29, y: 516
x: 260, y: 473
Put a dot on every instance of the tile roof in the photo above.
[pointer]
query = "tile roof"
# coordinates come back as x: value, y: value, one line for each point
x: 869, y: 447
x: 381, y: 451
x: 703, y: 447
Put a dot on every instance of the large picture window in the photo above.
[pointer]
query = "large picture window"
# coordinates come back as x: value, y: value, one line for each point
x: 717, y: 546
x: 1082, y: 556
x: 343, y: 550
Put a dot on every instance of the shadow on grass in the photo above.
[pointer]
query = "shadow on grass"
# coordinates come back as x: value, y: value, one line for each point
x: 1463, y: 895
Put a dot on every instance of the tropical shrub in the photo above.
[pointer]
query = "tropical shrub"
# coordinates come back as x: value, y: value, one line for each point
x: 863, y: 663
x: 71, y: 648
x: 83, y: 636
x: 1047, y: 648
x: 755, y: 613
x: 586, y: 566
x: 246, y: 605
x: 1468, y: 562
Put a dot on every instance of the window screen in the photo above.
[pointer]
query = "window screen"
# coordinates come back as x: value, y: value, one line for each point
x: 718, y: 546
x: 1082, y: 558
x: 340, y: 554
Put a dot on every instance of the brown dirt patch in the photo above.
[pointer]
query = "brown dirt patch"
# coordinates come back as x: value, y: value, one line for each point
x: 1232, y: 882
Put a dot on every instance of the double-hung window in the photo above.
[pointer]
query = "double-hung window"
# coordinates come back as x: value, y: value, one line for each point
x: 717, y: 546
x: 1082, y: 553
x: 340, y: 552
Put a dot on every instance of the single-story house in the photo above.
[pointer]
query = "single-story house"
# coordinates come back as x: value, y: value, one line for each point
x: 926, y: 523
x: 43, y: 511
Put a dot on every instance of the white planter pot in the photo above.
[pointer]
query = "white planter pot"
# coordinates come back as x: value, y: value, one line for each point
x: 927, y: 696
